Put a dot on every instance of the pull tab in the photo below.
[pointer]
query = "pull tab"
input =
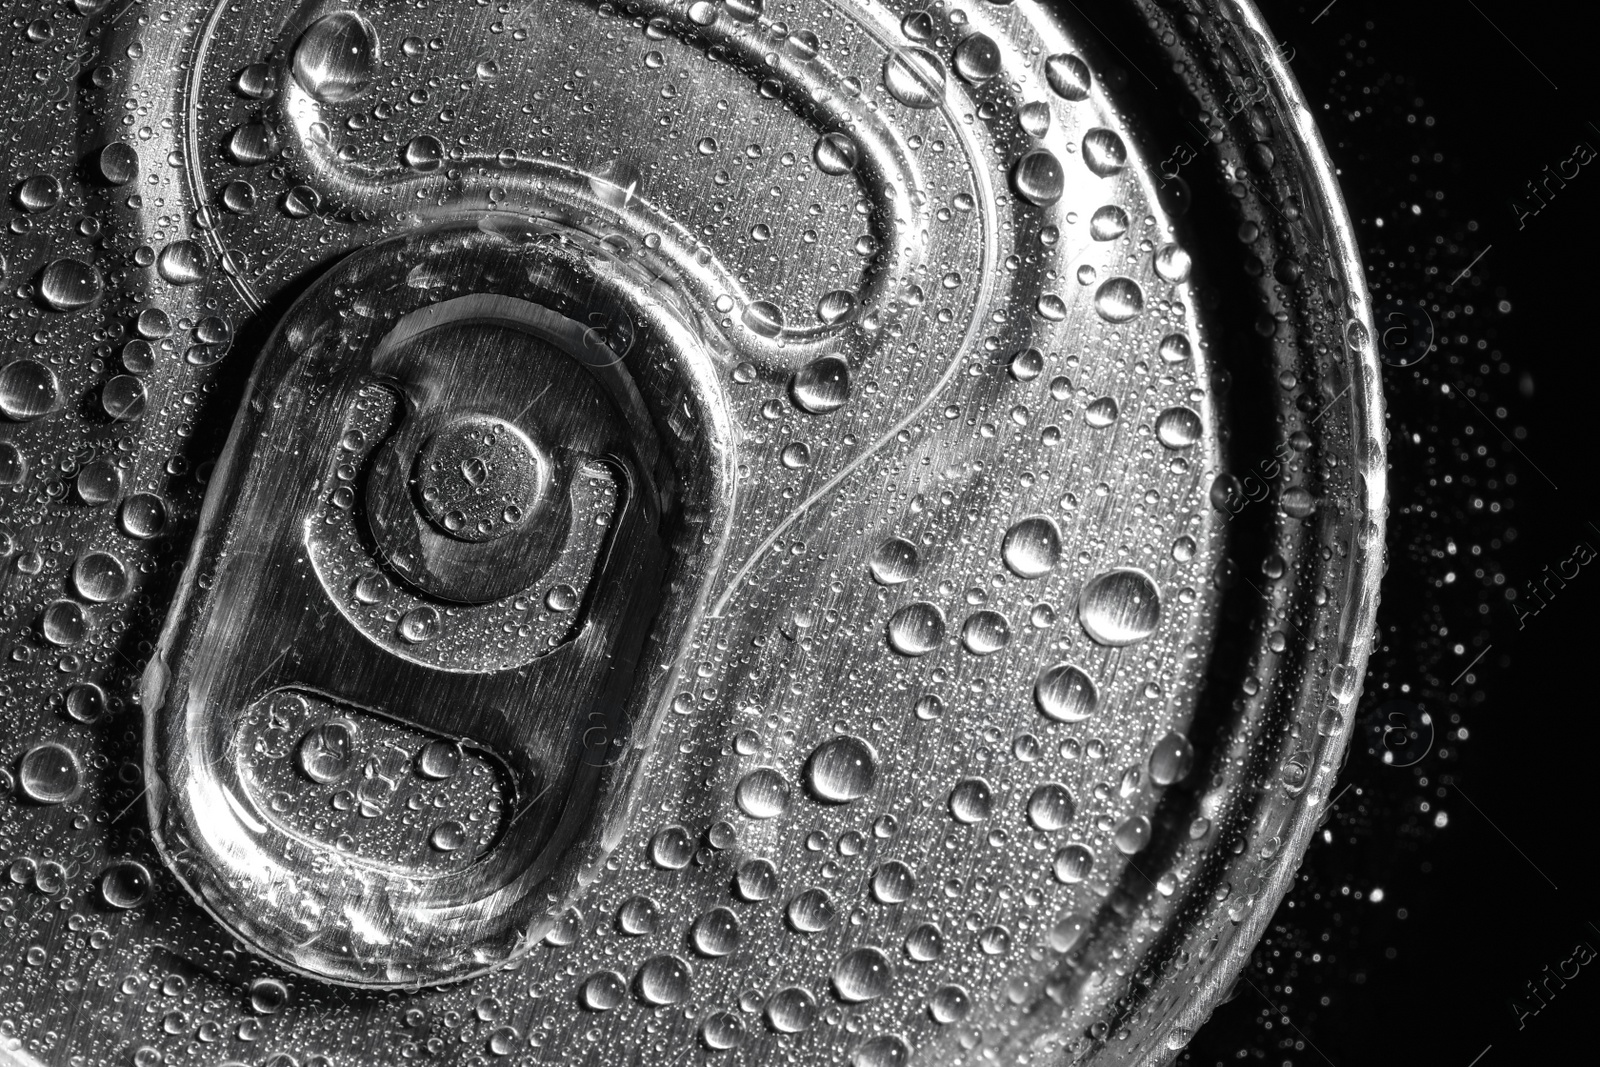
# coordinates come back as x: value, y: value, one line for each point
x: 404, y: 650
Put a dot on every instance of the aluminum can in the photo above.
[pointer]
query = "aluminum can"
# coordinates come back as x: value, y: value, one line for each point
x: 812, y: 532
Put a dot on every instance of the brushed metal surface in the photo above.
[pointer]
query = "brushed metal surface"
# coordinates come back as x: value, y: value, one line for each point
x: 824, y: 532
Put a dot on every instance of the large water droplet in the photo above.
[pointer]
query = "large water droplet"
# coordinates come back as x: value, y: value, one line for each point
x: 763, y: 793
x: 39, y: 193
x: 1032, y: 547
x: 1067, y: 75
x: 118, y: 163
x: 13, y: 465
x: 1178, y: 427
x: 144, y: 515
x: 715, y: 933
x: 949, y: 1004
x: 789, y: 1011
x: 842, y: 769
x: 63, y: 624
x: 1050, y: 807
x: 1120, y: 607
x: 764, y: 318
x: 886, y: 1050
x: 1119, y: 299
x: 603, y: 991
x: 1103, y: 152
x: 28, y: 390
x: 836, y: 153
x: 894, y: 561
x: 972, y: 800
x: 862, y: 974
x: 756, y: 880
x: 99, y: 576
x: 336, y: 57
x: 1108, y: 223
x: 69, y: 284
x: 925, y: 943
x: 672, y: 848
x: 914, y: 77
x: 1067, y: 932
x: 811, y: 910
x: 439, y: 760
x: 821, y: 386
x: 977, y: 58
x: 664, y: 980
x: 86, y: 702
x: 423, y: 153
x: 125, y: 885
x: 722, y: 1029
x: 1073, y: 864
x: 251, y: 144
x: 1171, y: 758
x: 1174, y: 348
x: 123, y: 398
x: 985, y: 633
x: 182, y: 262
x: 1038, y: 178
x: 638, y: 917
x: 916, y: 629
x: 893, y: 882
x: 327, y: 751
x: 1065, y: 693
x: 1133, y: 835
x: 50, y: 774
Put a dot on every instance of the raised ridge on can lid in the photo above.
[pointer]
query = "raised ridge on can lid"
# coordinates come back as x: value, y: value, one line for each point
x: 847, y: 532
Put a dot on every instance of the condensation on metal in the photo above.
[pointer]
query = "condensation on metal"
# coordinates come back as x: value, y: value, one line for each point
x: 811, y: 532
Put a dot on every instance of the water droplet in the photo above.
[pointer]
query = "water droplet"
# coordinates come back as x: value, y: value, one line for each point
x: 1103, y: 152
x: 894, y: 561
x: 1050, y: 807
x: 301, y: 201
x: 795, y: 455
x: 638, y: 917
x: 914, y: 77
x: 420, y: 624
x: 715, y: 933
x: 835, y: 306
x: 925, y: 943
x: 821, y: 386
x: 182, y: 262
x: 1172, y: 263
x: 423, y: 153
x: 1133, y: 835
x: 756, y: 880
x: 664, y: 980
x: 789, y: 1011
x: 28, y: 390
x: 763, y: 793
x: 1174, y: 348
x: 1065, y: 693
x: 50, y: 774
x: 252, y: 144
x: 337, y: 57
x: 1067, y: 75
x: 1108, y: 223
x: 70, y: 284
x: 1119, y: 299
x: 1038, y: 178
x: 1178, y: 427
x: 448, y: 836
x: 893, y: 882
x: 118, y: 163
x: 63, y: 624
x: 842, y: 769
x: 949, y: 1004
x: 1171, y: 758
x: 239, y: 197
x: 258, y: 81
x: 977, y: 58
x: 13, y: 465
x: 722, y: 1030
x: 125, y: 885
x: 764, y: 318
x: 1067, y: 932
x: 672, y: 848
x: 1120, y: 607
x: 862, y: 974
x: 916, y: 629
x: 971, y: 800
x: 836, y: 153
x: 1034, y: 118
x: 86, y: 702
x: 439, y: 760
x: 985, y: 632
x: 811, y: 910
x: 268, y: 996
x: 123, y: 398
x: 327, y: 751
x: 603, y: 991
x: 1032, y: 547
x: 99, y: 577
x: 1073, y: 864
x: 144, y: 515
x: 886, y: 1050
x: 39, y: 193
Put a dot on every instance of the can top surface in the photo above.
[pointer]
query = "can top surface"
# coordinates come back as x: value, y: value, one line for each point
x: 826, y: 531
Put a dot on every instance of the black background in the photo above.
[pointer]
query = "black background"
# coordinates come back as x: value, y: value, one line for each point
x: 1493, y: 443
